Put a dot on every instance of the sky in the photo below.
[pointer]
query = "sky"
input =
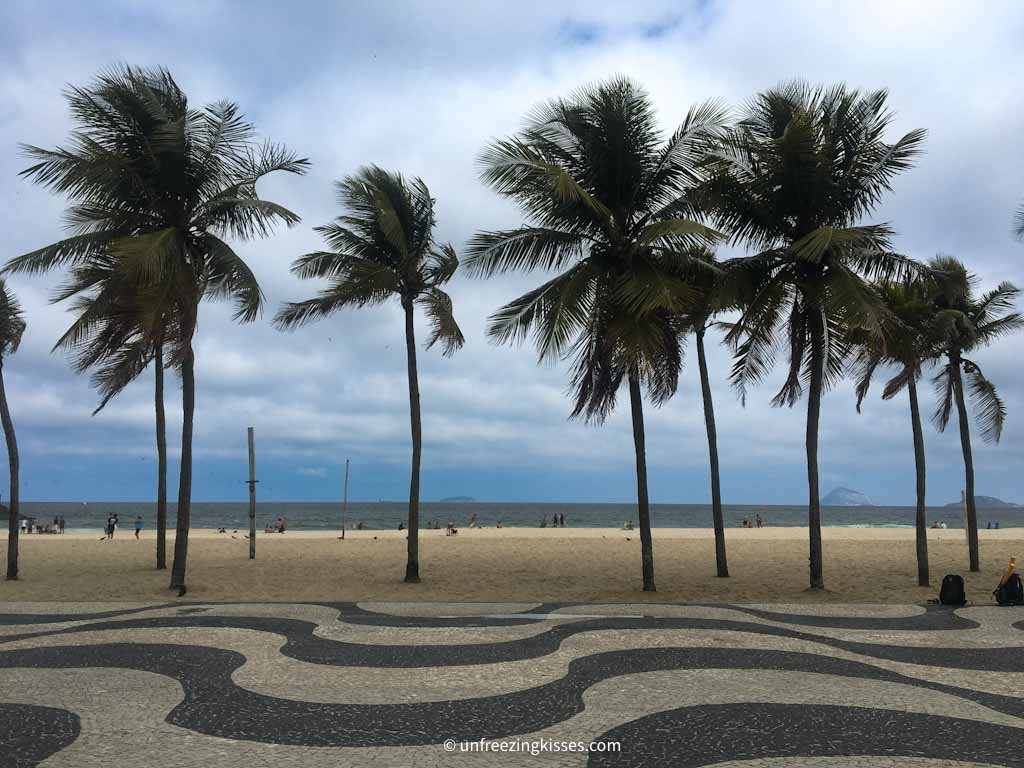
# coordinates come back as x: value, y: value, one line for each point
x: 421, y: 87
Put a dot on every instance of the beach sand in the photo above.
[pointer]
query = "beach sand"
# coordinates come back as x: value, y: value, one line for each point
x: 868, y: 565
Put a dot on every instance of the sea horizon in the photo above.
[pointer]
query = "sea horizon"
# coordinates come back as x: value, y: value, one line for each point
x: 387, y: 515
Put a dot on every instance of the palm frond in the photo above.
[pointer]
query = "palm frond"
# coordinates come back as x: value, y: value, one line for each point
x: 943, y: 382
x: 12, y: 322
x: 229, y: 277
x: 438, y: 306
x: 989, y: 409
x: 527, y: 249
x: 555, y: 312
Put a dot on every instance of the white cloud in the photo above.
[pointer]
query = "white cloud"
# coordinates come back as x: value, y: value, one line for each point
x: 422, y: 90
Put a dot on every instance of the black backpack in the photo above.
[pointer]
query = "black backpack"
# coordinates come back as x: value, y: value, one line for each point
x: 1011, y: 592
x: 952, y: 591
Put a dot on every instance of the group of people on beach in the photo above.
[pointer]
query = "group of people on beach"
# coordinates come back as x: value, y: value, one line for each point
x: 557, y: 521
x: 758, y: 522
x: 57, y: 526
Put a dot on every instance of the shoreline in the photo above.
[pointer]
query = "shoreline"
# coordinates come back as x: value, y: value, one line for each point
x: 777, y: 533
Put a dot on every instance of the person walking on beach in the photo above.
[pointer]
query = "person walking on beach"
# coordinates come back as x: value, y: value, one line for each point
x: 60, y: 524
x: 138, y: 526
x: 759, y: 521
x: 111, y: 521
x: 561, y: 520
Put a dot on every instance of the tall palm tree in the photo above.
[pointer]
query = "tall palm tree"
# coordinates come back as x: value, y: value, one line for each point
x: 120, y: 328
x: 603, y: 193
x: 966, y: 323
x: 12, y: 326
x: 1018, y: 223
x: 160, y: 188
x: 908, y: 342
x: 713, y: 298
x: 383, y: 247
x: 792, y: 180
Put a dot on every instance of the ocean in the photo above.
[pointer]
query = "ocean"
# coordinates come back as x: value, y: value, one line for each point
x: 387, y: 514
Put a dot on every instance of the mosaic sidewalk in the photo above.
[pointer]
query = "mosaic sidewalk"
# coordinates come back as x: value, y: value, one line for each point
x: 394, y: 684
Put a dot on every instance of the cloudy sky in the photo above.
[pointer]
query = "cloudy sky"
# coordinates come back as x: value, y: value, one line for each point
x: 421, y: 87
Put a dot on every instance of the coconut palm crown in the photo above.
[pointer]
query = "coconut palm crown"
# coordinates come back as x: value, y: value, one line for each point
x: 382, y: 247
x: 602, y: 192
x: 792, y: 181
x: 908, y: 342
x: 967, y: 323
x: 157, y: 190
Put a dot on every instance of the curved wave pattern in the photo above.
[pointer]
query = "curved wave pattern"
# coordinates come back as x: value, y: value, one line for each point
x: 854, y: 647
x: 302, y: 642
x: 692, y: 736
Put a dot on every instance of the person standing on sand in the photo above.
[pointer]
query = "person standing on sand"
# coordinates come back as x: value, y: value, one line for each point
x: 759, y: 521
x: 60, y: 524
x: 138, y: 526
x: 110, y: 527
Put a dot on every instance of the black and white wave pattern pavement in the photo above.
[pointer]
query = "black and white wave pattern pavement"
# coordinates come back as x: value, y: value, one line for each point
x: 311, y: 685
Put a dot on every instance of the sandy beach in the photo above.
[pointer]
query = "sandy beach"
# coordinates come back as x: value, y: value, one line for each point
x: 871, y: 565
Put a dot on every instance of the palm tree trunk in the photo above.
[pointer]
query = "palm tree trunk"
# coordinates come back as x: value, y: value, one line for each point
x: 412, y: 564
x: 161, y: 460
x: 643, y: 505
x: 188, y: 404
x: 965, y: 444
x: 12, y: 459
x: 716, y: 488
x: 921, y: 522
x: 813, y: 416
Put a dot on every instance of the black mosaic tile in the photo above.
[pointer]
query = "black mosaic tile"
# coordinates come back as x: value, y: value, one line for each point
x: 30, y: 734
x: 13, y: 619
x: 215, y: 706
x: 935, y: 617
x: 302, y: 644
x: 704, y: 735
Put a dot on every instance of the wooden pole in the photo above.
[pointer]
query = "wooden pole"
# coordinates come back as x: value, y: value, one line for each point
x: 344, y: 509
x: 252, y: 495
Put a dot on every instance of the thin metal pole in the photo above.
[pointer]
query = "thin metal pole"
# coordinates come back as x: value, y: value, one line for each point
x: 344, y: 509
x: 252, y: 495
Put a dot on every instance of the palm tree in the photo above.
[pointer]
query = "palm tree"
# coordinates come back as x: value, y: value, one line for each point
x: 792, y: 180
x: 908, y: 342
x: 603, y: 195
x: 119, y: 330
x: 966, y: 323
x: 383, y: 247
x: 12, y: 326
x: 159, y: 188
x: 713, y: 290
x: 1018, y: 224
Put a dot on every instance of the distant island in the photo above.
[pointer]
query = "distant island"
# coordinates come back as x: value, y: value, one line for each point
x: 846, y: 497
x: 986, y: 502
x: 458, y: 499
